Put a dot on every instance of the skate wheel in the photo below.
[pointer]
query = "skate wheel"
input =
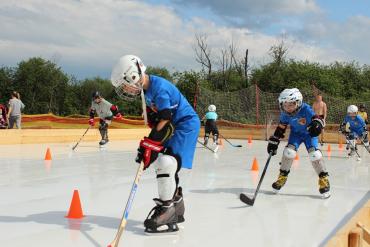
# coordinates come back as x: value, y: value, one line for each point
x: 275, y: 191
x: 325, y: 195
x: 358, y: 159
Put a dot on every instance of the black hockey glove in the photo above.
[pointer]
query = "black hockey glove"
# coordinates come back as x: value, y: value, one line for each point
x: 273, y: 145
x: 153, y: 117
x: 316, y: 126
x: 342, y: 129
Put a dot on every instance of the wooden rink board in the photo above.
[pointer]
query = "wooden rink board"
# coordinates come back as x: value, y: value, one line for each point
x: 27, y: 136
x: 341, y: 237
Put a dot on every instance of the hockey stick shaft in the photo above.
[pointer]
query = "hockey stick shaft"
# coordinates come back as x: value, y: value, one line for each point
x: 205, y: 146
x: 363, y: 143
x: 81, y: 138
x: 238, y: 146
x: 259, y: 183
x: 122, y: 225
x: 262, y: 176
x: 354, y: 147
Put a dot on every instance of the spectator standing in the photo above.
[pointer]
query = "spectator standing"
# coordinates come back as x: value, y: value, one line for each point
x: 15, y: 108
x: 320, y: 109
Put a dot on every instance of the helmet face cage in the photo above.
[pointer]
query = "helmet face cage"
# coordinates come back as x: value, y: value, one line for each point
x: 290, y: 95
x: 127, y: 83
x: 128, y: 91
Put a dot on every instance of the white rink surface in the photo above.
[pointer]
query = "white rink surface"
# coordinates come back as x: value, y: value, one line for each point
x: 35, y: 197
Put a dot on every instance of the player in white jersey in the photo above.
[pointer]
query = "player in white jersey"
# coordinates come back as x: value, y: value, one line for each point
x: 106, y: 111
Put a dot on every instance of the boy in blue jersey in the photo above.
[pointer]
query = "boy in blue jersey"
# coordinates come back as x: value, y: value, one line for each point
x: 305, y: 127
x: 354, y: 127
x: 171, y: 142
x: 210, y: 126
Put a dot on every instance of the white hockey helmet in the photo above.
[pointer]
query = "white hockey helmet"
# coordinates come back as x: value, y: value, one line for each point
x: 290, y: 95
x: 352, y: 109
x: 211, y: 108
x: 126, y: 76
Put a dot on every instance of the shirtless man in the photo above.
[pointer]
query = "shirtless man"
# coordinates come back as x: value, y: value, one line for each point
x: 319, y: 106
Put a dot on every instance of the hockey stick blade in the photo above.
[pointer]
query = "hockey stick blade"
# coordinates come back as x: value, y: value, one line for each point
x: 244, y: 198
x: 236, y: 146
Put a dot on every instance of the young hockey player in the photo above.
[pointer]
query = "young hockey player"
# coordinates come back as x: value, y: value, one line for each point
x: 210, y: 126
x: 354, y: 127
x: 362, y: 113
x: 171, y: 142
x: 106, y: 111
x: 305, y: 126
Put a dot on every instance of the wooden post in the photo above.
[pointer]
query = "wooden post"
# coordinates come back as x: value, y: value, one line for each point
x: 355, y: 237
x: 257, y: 104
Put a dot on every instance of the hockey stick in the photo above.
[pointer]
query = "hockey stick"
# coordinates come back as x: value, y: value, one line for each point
x: 354, y: 147
x: 363, y: 143
x: 236, y: 146
x: 81, y: 138
x: 210, y: 149
x: 123, y: 223
x: 250, y: 201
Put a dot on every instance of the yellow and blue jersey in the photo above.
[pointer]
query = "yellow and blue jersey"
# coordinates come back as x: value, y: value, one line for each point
x: 357, y: 125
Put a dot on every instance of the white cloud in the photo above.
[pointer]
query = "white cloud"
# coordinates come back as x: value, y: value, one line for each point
x: 252, y: 13
x: 349, y: 37
x: 90, y: 35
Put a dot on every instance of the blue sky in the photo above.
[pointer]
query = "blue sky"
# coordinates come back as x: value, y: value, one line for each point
x: 86, y: 37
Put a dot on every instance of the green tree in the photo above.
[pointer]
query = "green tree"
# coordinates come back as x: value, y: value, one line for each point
x: 6, y: 84
x: 42, y: 86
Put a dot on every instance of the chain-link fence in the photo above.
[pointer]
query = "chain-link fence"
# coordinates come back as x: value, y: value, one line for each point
x: 253, y: 106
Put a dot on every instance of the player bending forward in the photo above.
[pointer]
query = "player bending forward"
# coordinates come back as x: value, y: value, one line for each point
x: 105, y: 111
x: 305, y: 126
x: 171, y: 142
x: 354, y: 127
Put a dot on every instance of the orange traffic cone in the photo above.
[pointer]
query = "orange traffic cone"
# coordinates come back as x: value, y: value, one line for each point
x: 221, y: 142
x: 75, y: 210
x: 48, y: 154
x: 296, y: 157
x: 255, y: 165
x: 329, y: 148
x: 250, y: 139
x: 340, y: 144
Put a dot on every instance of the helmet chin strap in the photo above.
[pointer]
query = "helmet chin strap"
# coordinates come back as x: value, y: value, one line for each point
x: 143, y: 104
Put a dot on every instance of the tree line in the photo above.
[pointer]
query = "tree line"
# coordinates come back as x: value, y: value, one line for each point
x: 46, y: 88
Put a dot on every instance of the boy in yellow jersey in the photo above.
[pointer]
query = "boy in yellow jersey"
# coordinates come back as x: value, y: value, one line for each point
x: 363, y: 114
